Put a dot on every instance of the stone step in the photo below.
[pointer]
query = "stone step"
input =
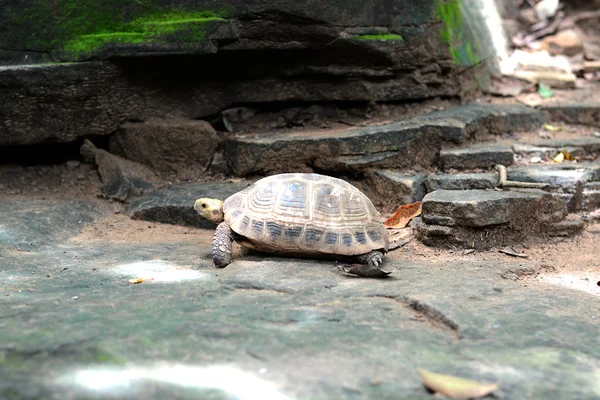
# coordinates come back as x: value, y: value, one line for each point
x: 175, y: 205
x: 587, y: 113
x: 481, y: 156
x: 389, y: 189
x: 461, y: 181
x: 413, y: 143
x: 486, y: 218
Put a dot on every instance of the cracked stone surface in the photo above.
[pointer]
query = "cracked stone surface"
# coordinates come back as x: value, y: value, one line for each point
x: 175, y: 204
x: 72, y: 326
x: 411, y: 143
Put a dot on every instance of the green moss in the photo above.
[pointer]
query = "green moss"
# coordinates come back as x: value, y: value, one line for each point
x: 382, y: 36
x: 82, y: 27
x: 454, y: 34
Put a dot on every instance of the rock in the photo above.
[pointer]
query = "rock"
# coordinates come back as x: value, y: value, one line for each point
x: 175, y: 205
x: 482, y: 219
x: 529, y: 151
x: 568, y: 227
x: 590, y: 200
x: 461, y: 181
x: 477, y: 157
x: 565, y: 42
x: 412, y: 143
x: 566, y: 177
x: 30, y: 224
x: 235, y: 115
x: 578, y: 113
x: 166, y: 145
x: 480, y: 208
x: 167, y: 64
x: 394, y: 189
x: 540, y: 67
x: 121, y: 179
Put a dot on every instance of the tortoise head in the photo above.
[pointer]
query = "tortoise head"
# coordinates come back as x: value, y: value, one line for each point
x: 211, y: 209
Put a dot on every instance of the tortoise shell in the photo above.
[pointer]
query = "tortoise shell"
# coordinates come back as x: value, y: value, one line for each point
x: 306, y: 214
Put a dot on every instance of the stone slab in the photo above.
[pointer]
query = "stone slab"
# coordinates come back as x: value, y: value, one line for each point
x: 576, y: 113
x: 589, y: 144
x: 282, y: 328
x: 569, y: 178
x: 167, y: 145
x: 175, y: 204
x: 411, y: 143
x: 482, y: 208
x: 481, y: 156
x: 392, y: 189
x: 461, y: 181
x: 28, y: 225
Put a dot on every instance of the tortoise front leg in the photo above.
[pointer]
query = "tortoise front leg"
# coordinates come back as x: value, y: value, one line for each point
x: 222, y: 245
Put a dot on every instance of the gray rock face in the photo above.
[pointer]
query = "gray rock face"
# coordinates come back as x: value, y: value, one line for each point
x: 566, y: 177
x: 28, y: 225
x: 486, y: 218
x: 477, y: 157
x: 394, y: 189
x: 479, y: 208
x: 461, y: 181
x: 582, y: 113
x: 331, y: 51
x: 407, y: 144
x: 588, y: 144
x: 175, y: 205
x: 121, y: 179
x: 166, y: 145
x: 280, y: 328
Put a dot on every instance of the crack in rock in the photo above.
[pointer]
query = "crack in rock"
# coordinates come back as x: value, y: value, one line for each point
x: 434, y: 316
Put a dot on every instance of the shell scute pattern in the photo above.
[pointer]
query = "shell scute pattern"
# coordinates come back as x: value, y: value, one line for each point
x: 306, y: 213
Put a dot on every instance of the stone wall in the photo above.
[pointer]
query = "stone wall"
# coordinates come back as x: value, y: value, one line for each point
x: 75, y: 69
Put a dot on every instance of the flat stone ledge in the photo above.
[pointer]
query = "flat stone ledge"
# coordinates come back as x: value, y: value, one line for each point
x: 477, y: 157
x: 577, y: 113
x: 175, y: 205
x: 481, y: 208
x: 461, y: 181
x: 411, y: 143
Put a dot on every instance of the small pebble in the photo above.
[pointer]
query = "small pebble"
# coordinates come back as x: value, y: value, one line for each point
x: 535, y: 160
x: 75, y: 297
x: 81, y: 176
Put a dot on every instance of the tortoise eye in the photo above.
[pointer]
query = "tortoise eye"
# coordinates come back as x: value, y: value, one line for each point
x: 203, y: 205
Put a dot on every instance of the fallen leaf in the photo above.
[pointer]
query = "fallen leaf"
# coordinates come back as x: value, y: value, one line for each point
x: 568, y: 156
x: 455, y: 387
x: 365, y: 271
x: 553, y: 128
x: 560, y: 157
x: 138, y: 280
x: 544, y: 91
x: 403, y: 216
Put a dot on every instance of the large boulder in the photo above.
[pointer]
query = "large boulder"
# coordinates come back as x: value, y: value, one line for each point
x: 180, y: 59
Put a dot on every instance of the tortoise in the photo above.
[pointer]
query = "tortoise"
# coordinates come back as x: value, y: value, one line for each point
x: 299, y: 215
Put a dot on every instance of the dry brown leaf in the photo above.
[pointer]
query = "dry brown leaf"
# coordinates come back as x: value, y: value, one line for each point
x: 403, y: 216
x: 560, y: 157
x: 554, y: 128
x: 138, y: 280
x: 568, y: 156
x: 455, y: 387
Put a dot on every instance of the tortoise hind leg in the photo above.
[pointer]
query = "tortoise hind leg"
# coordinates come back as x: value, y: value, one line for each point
x: 373, y: 259
x: 368, y: 265
x: 222, y: 245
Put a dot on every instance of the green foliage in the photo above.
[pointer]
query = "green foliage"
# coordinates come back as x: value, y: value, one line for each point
x: 453, y: 33
x: 83, y: 26
x: 382, y: 36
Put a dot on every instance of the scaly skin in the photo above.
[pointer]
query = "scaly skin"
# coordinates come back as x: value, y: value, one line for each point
x: 222, y: 245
